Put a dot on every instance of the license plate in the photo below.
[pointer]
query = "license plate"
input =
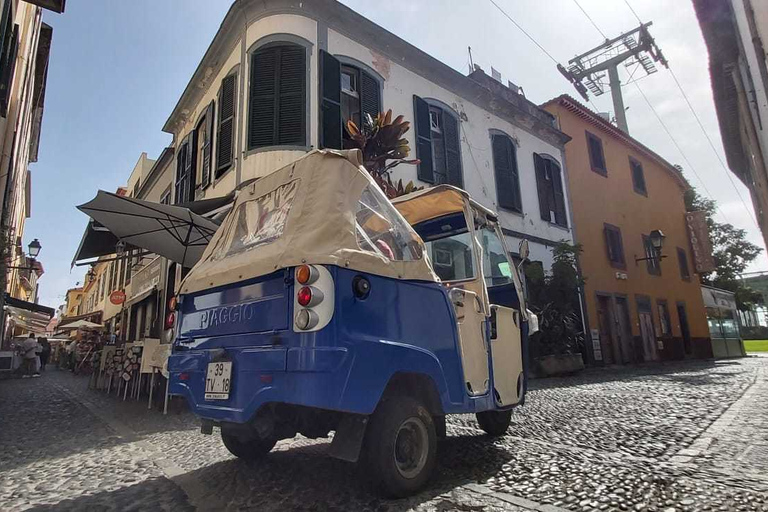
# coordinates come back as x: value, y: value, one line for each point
x: 218, y: 381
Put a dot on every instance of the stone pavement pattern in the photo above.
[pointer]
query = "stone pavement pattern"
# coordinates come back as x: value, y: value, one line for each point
x: 683, y: 437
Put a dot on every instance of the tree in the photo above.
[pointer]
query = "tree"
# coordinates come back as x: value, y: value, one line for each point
x: 731, y: 251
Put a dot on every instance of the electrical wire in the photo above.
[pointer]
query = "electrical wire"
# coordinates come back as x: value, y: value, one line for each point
x: 590, y: 19
x: 633, y: 12
x: 529, y: 36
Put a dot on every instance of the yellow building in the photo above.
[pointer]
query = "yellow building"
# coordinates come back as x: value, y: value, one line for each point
x: 638, y: 307
x: 74, y: 300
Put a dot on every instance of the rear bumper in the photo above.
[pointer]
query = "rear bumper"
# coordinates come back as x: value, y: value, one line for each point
x: 313, y: 377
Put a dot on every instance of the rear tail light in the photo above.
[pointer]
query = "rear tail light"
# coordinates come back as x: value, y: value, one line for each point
x: 172, y: 302
x: 309, y: 296
x: 313, y: 303
x: 307, y: 274
x: 170, y: 320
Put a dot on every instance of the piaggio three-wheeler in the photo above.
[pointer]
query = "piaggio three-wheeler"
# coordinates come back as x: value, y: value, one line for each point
x: 320, y: 306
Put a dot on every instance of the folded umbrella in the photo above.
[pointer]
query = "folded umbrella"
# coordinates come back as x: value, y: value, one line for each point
x: 171, y: 231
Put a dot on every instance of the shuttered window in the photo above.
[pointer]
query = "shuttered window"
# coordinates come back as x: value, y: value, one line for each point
x: 277, y: 108
x: 9, y: 46
x: 638, y: 176
x: 506, y: 173
x: 438, y: 145
x: 225, y: 133
x: 204, y: 137
x: 614, y: 246
x: 185, y: 175
x: 596, y: 155
x: 549, y: 185
x: 348, y: 93
x: 682, y: 260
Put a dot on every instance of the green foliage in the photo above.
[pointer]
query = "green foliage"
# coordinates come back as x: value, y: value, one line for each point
x: 554, y: 297
x: 384, y: 147
x: 731, y: 250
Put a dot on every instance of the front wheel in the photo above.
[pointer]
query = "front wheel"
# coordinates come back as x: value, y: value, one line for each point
x: 248, y: 449
x: 401, y: 446
x: 494, y: 423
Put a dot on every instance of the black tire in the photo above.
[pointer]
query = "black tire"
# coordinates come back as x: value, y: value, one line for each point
x: 250, y: 449
x: 400, y: 447
x: 494, y: 423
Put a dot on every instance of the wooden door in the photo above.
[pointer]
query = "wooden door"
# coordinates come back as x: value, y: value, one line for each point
x: 624, y: 328
x: 607, y: 339
x: 648, y: 335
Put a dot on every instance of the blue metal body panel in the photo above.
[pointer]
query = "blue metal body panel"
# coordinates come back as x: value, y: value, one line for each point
x: 400, y: 327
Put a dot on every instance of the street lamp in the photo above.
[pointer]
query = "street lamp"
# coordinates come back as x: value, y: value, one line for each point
x: 120, y: 248
x: 656, y: 237
x: 34, y: 248
x: 90, y: 275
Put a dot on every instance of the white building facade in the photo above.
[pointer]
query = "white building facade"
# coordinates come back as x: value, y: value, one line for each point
x: 280, y: 79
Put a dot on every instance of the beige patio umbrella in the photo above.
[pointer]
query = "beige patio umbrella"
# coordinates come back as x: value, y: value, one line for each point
x: 80, y: 324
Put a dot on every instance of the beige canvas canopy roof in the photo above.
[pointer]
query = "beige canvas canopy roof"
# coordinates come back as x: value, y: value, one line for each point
x: 435, y: 202
x: 324, y: 208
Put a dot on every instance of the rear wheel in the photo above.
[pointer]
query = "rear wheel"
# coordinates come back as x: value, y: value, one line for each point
x: 249, y: 449
x: 494, y: 423
x: 401, y: 446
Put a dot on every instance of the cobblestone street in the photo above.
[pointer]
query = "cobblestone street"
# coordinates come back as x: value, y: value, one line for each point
x: 683, y: 437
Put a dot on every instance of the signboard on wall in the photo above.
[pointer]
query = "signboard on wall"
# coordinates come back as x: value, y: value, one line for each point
x: 147, y: 278
x: 698, y: 232
x: 117, y: 297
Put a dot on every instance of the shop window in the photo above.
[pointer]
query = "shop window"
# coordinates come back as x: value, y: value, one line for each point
x: 438, y: 144
x: 277, y: 102
x: 614, y: 246
x: 506, y: 173
x: 549, y: 184
x: 638, y: 177
x: 596, y: 155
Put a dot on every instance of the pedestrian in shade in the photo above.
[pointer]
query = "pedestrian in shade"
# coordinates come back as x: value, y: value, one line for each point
x: 29, y: 357
x: 45, y: 354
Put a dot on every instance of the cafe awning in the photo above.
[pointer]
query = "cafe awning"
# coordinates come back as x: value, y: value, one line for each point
x: 28, y: 315
x: 175, y: 232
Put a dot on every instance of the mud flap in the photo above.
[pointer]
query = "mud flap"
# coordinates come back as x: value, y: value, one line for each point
x: 348, y: 439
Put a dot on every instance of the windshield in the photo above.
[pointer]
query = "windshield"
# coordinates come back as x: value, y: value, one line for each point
x: 496, y: 268
x: 381, y: 229
x: 452, y: 257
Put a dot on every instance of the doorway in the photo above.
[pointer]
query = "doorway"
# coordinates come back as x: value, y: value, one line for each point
x: 608, y: 342
x: 682, y: 315
x: 647, y: 330
x: 624, y: 328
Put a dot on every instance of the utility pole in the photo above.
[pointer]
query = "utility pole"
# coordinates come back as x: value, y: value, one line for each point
x: 633, y: 48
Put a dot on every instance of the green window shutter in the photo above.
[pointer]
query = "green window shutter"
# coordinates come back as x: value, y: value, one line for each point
x: 542, y: 187
x: 561, y: 218
x: 225, y: 134
x: 506, y: 173
x: 452, y: 150
x: 206, y: 170
x: 277, y: 105
x: 425, y: 171
x: 330, y: 108
x: 370, y: 95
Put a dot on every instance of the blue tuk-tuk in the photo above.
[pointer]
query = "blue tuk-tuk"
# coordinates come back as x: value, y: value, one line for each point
x: 320, y: 306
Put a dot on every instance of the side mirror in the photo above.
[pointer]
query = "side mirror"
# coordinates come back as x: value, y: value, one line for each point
x: 523, y: 250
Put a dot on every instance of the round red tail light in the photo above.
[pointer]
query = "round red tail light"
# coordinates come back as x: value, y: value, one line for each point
x: 170, y: 320
x: 305, y: 296
x: 172, y: 303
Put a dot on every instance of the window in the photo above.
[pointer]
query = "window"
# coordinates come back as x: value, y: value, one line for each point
x: 258, y: 222
x: 664, y: 321
x: 653, y: 264
x: 505, y: 170
x: 614, y: 246
x: 382, y: 230
x: 638, y: 176
x: 496, y: 268
x: 185, y: 163
x: 452, y: 257
x: 9, y: 46
x: 596, y: 155
x: 203, y: 137
x: 225, y: 131
x: 136, y: 188
x: 166, y: 197
x: 682, y: 260
x: 437, y: 143
x: 277, y: 106
x: 550, y: 188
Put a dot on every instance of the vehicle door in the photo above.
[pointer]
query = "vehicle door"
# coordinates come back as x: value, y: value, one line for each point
x: 507, y: 311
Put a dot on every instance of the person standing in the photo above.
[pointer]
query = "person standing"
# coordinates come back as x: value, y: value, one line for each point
x: 29, y: 357
x: 45, y: 354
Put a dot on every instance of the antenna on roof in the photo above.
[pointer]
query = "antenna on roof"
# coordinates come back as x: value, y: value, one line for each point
x: 471, y: 62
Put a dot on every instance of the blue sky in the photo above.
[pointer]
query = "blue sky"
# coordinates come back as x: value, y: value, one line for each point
x: 118, y: 68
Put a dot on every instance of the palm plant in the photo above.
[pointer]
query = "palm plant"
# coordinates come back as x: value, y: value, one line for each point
x: 384, y: 147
